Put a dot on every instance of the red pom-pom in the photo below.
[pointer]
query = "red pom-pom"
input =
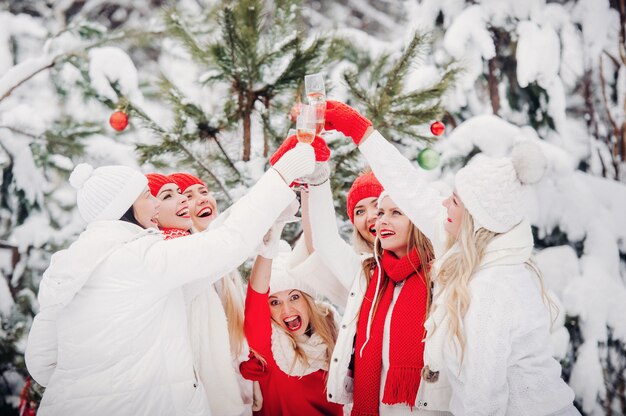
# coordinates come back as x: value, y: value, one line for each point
x: 437, y: 128
x: 118, y: 120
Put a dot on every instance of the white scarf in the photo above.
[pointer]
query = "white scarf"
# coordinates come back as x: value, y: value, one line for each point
x: 285, y: 355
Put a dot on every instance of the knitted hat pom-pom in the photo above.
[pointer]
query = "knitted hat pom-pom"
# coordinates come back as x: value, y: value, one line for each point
x: 80, y: 174
x: 529, y: 162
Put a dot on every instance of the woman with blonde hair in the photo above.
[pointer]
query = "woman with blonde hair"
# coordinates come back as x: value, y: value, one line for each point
x: 488, y: 347
x: 378, y: 356
x: 216, y: 332
x: 291, y: 336
x: 110, y: 336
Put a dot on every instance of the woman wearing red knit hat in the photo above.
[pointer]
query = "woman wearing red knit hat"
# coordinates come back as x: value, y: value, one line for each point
x: 174, y: 219
x: 488, y: 348
x: 202, y: 204
x: 378, y: 356
x: 291, y: 333
x: 214, y: 311
x: 110, y: 335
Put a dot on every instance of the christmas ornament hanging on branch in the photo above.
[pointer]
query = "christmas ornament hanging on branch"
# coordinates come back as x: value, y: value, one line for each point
x: 119, y: 118
x: 437, y: 128
x: 428, y: 158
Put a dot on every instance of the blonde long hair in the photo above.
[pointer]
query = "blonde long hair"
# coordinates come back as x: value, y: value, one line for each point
x: 416, y: 240
x: 458, y: 269
x: 321, y: 322
x: 231, y: 294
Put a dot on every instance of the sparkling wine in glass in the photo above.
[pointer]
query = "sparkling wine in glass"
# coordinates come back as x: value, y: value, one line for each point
x: 316, y: 94
x: 305, y: 124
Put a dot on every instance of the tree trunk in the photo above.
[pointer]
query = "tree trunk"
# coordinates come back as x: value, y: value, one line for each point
x: 492, y: 81
x: 247, y: 123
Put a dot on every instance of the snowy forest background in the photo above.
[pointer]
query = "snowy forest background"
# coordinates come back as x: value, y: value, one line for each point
x: 209, y: 85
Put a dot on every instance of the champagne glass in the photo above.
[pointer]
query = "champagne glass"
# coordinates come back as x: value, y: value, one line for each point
x: 316, y: 94
x: 305, y: 124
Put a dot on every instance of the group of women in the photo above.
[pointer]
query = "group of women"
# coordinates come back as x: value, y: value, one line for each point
x: 443, y: 310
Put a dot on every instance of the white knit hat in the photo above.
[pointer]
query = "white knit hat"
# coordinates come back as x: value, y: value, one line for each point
x: 491, y: 188
x: 107, y: 192
x: 281, y: 278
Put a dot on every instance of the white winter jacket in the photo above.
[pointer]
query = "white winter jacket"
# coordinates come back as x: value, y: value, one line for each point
x: 508, y: 367
x: 111, y: 335
x: 347, y: 267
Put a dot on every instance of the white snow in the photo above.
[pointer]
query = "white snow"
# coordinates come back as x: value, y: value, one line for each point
x: 110, y: 64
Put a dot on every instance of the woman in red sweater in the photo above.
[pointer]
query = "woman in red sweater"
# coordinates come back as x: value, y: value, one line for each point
x: 292, y: 337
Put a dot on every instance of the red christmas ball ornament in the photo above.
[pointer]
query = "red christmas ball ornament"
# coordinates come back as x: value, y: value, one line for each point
x: 295, y: 111
x: 118, y: 120
x: 437, y: 128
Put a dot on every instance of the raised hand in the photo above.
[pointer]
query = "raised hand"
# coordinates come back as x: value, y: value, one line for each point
x: 297, y: 161
x: 343, y: 118
x: 322, y: 152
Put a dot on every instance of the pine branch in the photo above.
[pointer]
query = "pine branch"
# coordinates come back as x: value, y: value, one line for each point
x: 178, y: 29
x: 24, y: 71
x: 399, y: 114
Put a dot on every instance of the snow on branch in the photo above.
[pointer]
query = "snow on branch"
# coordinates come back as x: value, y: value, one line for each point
x: 24, y: 71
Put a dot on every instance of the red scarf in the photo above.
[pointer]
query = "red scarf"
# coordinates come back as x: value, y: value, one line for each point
x: 406, y: 334
x: 170, y: 233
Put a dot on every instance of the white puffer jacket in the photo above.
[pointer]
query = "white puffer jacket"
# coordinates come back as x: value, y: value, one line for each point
x: 111, y: 335
x: 346, y: 266
x: 507, y: 366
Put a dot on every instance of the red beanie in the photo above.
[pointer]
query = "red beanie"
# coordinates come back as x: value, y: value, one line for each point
x: 185, y: 180
x: 365, y: 186
x: 156, y: 182
x: 322, y: 152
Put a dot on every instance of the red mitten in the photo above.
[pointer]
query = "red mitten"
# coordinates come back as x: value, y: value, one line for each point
x: 322, y: 152
x: 253, y: 369
x: 343, y: 118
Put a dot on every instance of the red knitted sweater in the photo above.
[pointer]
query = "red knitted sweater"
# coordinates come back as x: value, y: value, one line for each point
x: 282, y: 394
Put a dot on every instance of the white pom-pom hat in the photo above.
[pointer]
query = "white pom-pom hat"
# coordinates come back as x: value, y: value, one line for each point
x: 491, y: 188
x: 107, y: 192
x: 281, y: 279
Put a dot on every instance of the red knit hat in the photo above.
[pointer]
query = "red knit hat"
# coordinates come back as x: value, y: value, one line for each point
x: 156, y: 182
x: 322, y: 152
x: 185, y: 180
x: 365, y: 186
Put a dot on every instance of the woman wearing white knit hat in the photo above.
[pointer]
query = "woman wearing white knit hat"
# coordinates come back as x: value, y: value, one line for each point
x: 110, y: 337
x: 488, y: 346
x: 291, y: 335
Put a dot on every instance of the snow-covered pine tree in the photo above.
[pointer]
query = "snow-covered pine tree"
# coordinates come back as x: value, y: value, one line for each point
x: 378, y: 85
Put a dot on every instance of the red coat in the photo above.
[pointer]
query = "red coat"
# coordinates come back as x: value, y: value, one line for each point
x: 283, y: 395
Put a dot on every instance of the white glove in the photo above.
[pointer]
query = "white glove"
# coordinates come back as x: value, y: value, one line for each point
x: 269, y: 247
x: 295, y: 163
x: 319, y: 175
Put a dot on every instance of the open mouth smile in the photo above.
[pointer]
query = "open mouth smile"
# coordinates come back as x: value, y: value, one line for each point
x: 293, y: 323
x: 205, y: 212
x: 184, y: 213
x: 384, y: 233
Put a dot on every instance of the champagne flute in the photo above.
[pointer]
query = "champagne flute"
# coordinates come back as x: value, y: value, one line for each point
x: 305, y: 124
x: 316, y: 94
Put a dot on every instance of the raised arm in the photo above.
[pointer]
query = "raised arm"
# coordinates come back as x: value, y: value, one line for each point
x: 338, y: 255
x: 257, y: 318
x: 229, y: 245
x: 421, y: 202
x: 306, y: 264
x: 415, y: 197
